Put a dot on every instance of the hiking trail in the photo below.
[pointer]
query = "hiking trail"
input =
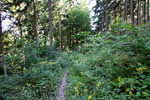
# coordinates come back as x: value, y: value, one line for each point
x: 62, y: 88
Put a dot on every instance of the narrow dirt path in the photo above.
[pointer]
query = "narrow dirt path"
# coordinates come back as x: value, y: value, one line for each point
x: 61, y: 92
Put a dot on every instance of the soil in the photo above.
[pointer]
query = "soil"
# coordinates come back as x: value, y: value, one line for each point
x: 62, y: 88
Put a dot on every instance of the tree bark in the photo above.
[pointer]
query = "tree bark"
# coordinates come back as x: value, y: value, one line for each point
x: 106, y: 14
x: 147, y: 10
x: 36, y: 24
x: 144, y: 11
x: 50, y: 11
x: 102, y: 28
x: 126, y: 8
x: 139, y: 12
x: 21, y: 33
x: 120, y: 8
x: 132, y: 11
x: 60, y: 33
x: 20, y: 27
x: 115, y: 9
x: 2, y: 47
x: 137, y: 21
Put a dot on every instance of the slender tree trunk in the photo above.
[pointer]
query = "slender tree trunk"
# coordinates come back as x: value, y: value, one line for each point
x: 147, y: 10
x: 126, y: 8
x: 70, y: 40
x: 139, y: 12
x: 106, y: 14
x: 20, y: 28
x: 132, y: 11
x: 50, y: 22
x: 102, y: 25
x: 36, y: 24
x: 45, y: 40
x: 144, y: 10
x: 15, y: 40
x: 120, y: 8
x: 21, y: 33
x: 60, y: 33
x: 137, y: 21
x: 2, y: 47
x: 115, y: 10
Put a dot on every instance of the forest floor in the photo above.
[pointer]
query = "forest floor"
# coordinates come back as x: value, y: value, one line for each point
x: 62, y: 88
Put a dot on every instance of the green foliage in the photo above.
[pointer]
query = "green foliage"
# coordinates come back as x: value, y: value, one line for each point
x: 121, y: 27
x: 31, y: 55
x: 36, y: 83
x: 112, y: 67
x: 33, y: 73
x: 77, y: 27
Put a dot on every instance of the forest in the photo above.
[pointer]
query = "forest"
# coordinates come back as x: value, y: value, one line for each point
x: 63, y: 50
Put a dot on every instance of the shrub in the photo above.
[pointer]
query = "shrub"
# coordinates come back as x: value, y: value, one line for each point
x: 112, y: 67
x: 36, y: 83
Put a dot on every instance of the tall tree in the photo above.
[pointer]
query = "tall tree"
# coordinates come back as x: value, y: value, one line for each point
x: 60, y: 33
x: 115, y: 11
x: 106, y: 14
x: 2, y: 47
x: 139, y: 12
x: 50, y: 11
x: 147, y: 10
x: 102, y: 28
x: 36, y: 23
x: 144, y: 11
x: 132, y: 12
x: 126, y: 8
x: 20, y: 27
x: 77, y: 24
x: 121, y: 8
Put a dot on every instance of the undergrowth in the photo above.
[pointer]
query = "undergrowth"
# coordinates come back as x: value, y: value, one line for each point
x: 112, y: 67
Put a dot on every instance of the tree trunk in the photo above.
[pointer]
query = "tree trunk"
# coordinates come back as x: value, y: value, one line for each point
x: 147, y: 10
x: 115, y: 10
x: 20, y: 28
x: 60, y: 33
x: 126, y: 8
x: 144, y: 11
x: 36, y: 24
x: 120, y: 8
x: 50, y: 23
x: 102, y: 25
x: 139, y: 12
x: 137, y: 21
x: 106, y: 14
x: 2, y: 47
x: 132, y: 11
